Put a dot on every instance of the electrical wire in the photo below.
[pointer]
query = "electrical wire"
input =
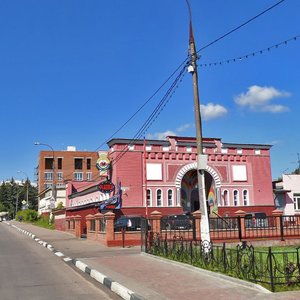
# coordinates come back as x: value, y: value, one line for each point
x: 252, y: 54
x: 240, y: 26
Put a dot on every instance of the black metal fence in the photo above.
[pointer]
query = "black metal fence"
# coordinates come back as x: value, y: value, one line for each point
x: 276, y: 270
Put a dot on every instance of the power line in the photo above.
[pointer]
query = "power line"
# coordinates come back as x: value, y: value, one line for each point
x: 252, y: 54
x: 240, y: 26
x: 184, y: 62
x: 147, y: 101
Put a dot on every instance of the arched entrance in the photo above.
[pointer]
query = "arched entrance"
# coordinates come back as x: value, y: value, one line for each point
x: 187, y: 187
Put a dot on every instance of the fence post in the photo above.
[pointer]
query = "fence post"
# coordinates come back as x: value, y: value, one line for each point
x: 271, y: 269
x: 197, y: 220
x: 277, y: 214
x: 98, y: 217
x: 88, y: 219
x: 78, y: 230
x: 156, y: 216
x: 241, y: 217
x: 110, y: 232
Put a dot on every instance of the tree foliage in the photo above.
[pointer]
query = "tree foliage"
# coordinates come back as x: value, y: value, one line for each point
x: 12, y: 195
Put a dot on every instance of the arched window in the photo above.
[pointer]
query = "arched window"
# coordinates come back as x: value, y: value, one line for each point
x: 170, y: 197
x: 225, y: 198
x: 245, y: 197
x: 235, y: 198
x: 158, y: 198
x: 149, y: 197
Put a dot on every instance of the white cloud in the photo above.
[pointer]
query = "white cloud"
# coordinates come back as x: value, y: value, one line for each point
x: 258, y: 98
x: 160, y: 135
x: 212, y: 111
x: 184, y: 127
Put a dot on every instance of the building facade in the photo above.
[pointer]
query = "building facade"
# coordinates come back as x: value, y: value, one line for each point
x: 161, y: 175
x: 57, y: 168
x: 287, y: 194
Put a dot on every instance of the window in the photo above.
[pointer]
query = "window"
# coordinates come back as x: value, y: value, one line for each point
x: 245, y: 197
x: 225, y: 198
x: 59, y: 176
x: 158, y: 198
x: 88, y: 163
x: 89, y: 176
x: 49, y: 163
x: 59, y: 163
x: 170, y: 197
x: 47, y: 185
x: 296, y: 198
x: 49, y: 176
x: 235, y: 198
x: 78, y: 163
x: 78, y: 176
x: 149, y: 197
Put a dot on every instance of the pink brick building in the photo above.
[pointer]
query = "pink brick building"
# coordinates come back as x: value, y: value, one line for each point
x: 161, y: 175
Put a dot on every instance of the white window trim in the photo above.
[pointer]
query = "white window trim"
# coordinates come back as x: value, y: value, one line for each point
x: 228, y: 200
x: 172, y: 198
x: 161, y: 199
x: 150, y: 198
x: 295, y: 197
x: 247, y: 200
x: 50, y: 174
x: 238, y: 198
x: 80, y: 176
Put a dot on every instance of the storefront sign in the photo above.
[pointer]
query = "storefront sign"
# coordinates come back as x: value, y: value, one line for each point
x: 103, y: 164
x: 106, y: 187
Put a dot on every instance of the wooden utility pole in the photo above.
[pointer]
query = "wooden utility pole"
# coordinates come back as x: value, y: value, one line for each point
x: 201, y: 158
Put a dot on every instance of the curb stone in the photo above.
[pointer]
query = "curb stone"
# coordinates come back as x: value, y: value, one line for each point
x: 114, y: 286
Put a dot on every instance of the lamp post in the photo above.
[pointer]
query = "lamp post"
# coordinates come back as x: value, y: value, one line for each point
x: 27, y: 204
x: 53, y: 198
x: 201, y: 158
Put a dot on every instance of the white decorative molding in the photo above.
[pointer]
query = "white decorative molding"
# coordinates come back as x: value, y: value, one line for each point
x: 193, y: 166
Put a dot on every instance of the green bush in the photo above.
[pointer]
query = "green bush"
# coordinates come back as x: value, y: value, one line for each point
x: 27, y: 215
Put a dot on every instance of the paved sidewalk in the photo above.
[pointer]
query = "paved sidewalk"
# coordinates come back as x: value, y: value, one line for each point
x: 135, y: 275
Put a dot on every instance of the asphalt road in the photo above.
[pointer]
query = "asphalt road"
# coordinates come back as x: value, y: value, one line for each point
x: 31, y: 272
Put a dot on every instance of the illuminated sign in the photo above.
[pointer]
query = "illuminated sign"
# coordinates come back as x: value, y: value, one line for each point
x: 106, y: 187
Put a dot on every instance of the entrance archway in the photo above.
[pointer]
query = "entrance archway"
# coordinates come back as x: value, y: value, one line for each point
x: 187, y: 187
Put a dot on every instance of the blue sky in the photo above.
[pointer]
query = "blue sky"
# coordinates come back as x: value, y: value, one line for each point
x: 72, y: 72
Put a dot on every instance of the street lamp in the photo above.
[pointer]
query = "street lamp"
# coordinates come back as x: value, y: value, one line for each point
x: 27, y: 204
x: 53, y: 198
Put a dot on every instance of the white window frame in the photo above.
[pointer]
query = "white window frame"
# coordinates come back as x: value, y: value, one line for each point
x: 79, y: 174
x: 245, y: 199
x: 236, y: 198
x: 296, y: 200
x: 148, y: 148
x: 226, y: 203
x: 224, y: 150
x: 48, y: 176
x: 60, y: 176
x: 88, y: 176
x: 157, y: 198
x: 166, y: 149
x: 239, y: 151
x: 130, y: 147
x: 170, y: 199
x: 149, y: 199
